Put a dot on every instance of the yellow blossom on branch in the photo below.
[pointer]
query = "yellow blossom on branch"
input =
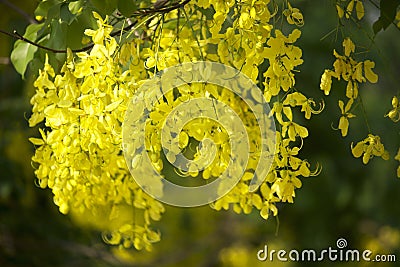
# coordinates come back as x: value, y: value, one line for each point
x: 350, y: 70
x: 394, y: 114
x: 368, y: 148
x: 346, y: 115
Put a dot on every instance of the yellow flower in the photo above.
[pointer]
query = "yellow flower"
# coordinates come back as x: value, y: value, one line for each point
x: 293, y: 15
x: 79, y: 157
x: 326, y: 81
x: 350, y: 70
x: 298, y: 99
x: 398, y: 18
x: 293, y: 129
x: 394, y: 114
x: 349, y: 9
x: 369, y: 74
x: 397, y: 157
x: 103, y: 30
x: 285, y: 187
x: 346, y: 115
x: 277, y: 110
x: 340, y: 11
x: 283, y: 57
x: 349, y: 46
x: 368, y: 148
x: 245, y: 21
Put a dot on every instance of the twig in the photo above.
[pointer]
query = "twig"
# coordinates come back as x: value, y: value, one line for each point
x: 162, y: 10
x: 20, y: 37
x: 179, y: 5
x: 20, y: 11
x: 16, y: 35
x: 7, y: 33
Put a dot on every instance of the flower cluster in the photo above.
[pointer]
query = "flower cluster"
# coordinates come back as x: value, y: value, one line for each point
x: 79, y: 153
x: 279, y: 88
x: 250, y: 41
x: 293, y: 15
x: 349, y: 8
x: 283, y: 57
x: 394, y: 114
x: 354, y: 73
x: 350, y: 70
x: 368, y: 148
x: 245, y: 43
x: 346, y: 115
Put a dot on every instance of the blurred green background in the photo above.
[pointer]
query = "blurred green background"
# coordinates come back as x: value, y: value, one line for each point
x: 347, y: 200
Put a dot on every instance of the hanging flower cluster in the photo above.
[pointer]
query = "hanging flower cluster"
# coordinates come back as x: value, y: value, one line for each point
x: 293, y: 15
x: 250, y: 41
x: 283, y: 57
x: 394, y: 115
x: 354, y: 73
x: 351, y: 71
x: 279, y: 88
x: 368, y: 148
x: 244, y: 44
x: 79, y: 155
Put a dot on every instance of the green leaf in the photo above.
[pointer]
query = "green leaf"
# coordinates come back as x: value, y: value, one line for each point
x: 388, y: 13
x: 127, y: 7
x: 105, y: 7
x: 377, y: 26
x: 58, y: 35
x: 24, y: 52
x: 76, y: 7
x: 36, y: 64
x: 66, y: 15
x: 44, y: 7
x: 50, y: 11
x: 77, y: 28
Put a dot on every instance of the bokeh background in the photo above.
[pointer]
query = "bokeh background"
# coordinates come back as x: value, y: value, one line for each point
x: 347, y: 200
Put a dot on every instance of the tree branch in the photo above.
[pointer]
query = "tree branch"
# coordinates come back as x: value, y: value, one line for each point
x: 18, y: 36
x: 176, y: 6
x: 163, y: 9
x: 22, y: 38
x: 160, y: 9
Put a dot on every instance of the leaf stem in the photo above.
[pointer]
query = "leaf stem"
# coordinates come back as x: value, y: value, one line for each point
x: 364, y: 113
